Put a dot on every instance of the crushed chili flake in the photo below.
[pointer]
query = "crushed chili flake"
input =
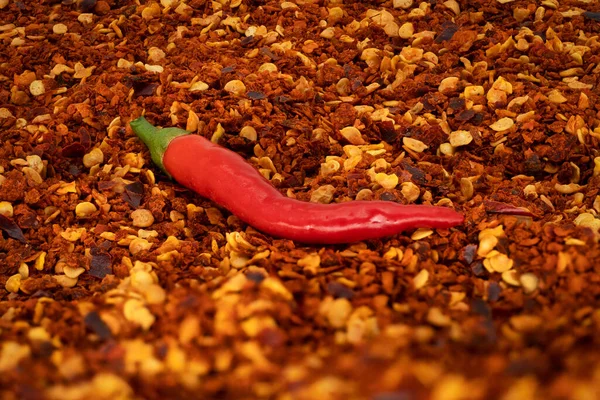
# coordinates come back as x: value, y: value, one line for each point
x: 99, y: 327
x: 201, y: 305
x: 100, y: 264
x: 498, y: 207
x: 11, y: 228
x: 133, y: 194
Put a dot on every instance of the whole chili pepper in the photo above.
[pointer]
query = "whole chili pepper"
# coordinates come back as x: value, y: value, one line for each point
x: 227, y: 179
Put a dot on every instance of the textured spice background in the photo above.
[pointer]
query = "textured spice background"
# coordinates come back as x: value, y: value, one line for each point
x: 118, y: 283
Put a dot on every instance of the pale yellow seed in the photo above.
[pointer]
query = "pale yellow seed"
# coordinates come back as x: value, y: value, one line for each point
x: 94, y: 157
x: 568, y: 189
x: 501, y: 263
x: 72, y: 234
x: 460, y: 138
x: 449, y: 84
x: 453, y: 5
x: 414, y: 144
x: 155, y: 54
x: 502, y: 124
x: 486, y: 244
x: 323, y: 194
x: 59, y: 29
x: 421, y: 279
x: 410, y: 191
x: 267, y: 67
x: 13, y: 283
x: 249, y: 133
x: 421, y: 233
x: 135, y: 311
x: 65, y: 281
x: 198, y: 86
x: 406, y: 31
x: 411, y: 55
x: 328, y: 33
x: 142, y: 218
x: 447, y: 149
x: 235, y: 87
x: 310, y: 261
x: 352, y: 135
x: 288, y: 5
x: 364, y: 194
x: 436, y: 317
x: 339, y: 312
x: 496, y: 97
x: 473, y: 91
x: 37, y: 88
x: 498, y: 231
x: 510, y: 277
x: 137, y: 245
x: 39, y: 261
x: 556, y: 97
x: 157, y: 69
x: 529, y: 282
x: 85, y: 209
x: 24, y: 270
x: 404, y: 4
x: 329, y: 167
x: 5, y: 113
x: 335, y: 14
x: 387, y: 181
x: 73, y: 273
x: 6, y: 209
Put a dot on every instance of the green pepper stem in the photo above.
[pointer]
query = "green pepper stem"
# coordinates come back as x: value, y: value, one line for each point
x: 157, y: 140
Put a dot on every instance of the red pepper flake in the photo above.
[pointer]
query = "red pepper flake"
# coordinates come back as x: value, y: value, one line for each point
x: 144, y: 88
x: 497, y: 207
x: 11, y: 228
x: 592, y: 15
x: 254, y: 95
x: 133, y: 194
x: 494, y: 291
x: 100, y: 265
x: 468, y: 253
x: 447, y: 33
x: 227, y: 69
x: 84, y: 137
x: 73, y: 150
x: 78, y: 149
x: 339, y: 290
x: 387, y: 131
x: 94, y: 322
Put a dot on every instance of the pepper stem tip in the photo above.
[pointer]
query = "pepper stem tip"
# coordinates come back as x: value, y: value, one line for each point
x: 157, y: 140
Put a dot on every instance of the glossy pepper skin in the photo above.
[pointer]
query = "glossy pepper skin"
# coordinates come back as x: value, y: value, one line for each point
x: 227, y: 179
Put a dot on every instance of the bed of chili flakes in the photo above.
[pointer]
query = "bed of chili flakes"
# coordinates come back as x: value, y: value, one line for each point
x: 490, y: 107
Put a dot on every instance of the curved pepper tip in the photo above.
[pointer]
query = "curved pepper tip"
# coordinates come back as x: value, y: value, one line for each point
x: 157, y: 140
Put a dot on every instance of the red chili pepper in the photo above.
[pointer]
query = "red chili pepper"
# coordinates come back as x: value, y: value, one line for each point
x: 227, y: 179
